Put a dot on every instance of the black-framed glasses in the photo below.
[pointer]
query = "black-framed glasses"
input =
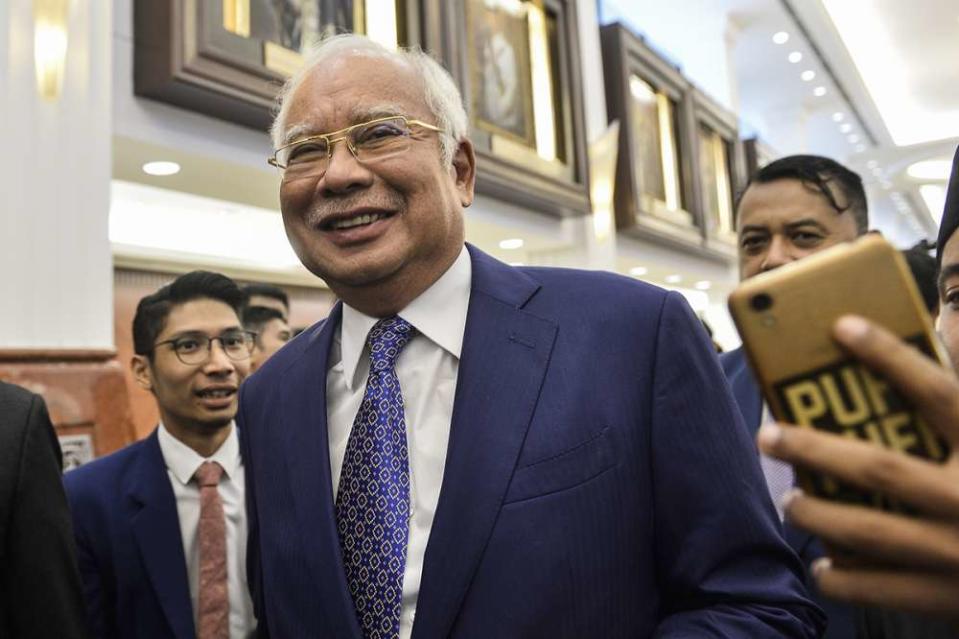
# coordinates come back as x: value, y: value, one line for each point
x: 194, y: 348
x: 368, y: 142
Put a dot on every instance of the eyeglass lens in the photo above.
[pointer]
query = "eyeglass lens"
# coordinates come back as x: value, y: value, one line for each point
x: 195, y: 349
x: 368, y: 142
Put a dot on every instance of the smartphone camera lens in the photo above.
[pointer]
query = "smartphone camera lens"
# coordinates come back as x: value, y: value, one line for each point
x: 761, y: 302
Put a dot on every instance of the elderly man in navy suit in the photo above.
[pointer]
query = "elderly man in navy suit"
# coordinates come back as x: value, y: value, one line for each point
x: 467, y: 449
x: 160, y: 525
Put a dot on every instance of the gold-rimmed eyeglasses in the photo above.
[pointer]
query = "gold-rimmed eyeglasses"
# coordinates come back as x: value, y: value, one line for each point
x: 368, y: 142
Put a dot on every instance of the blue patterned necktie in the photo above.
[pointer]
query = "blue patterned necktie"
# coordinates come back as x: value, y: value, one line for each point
x: 373, y: 501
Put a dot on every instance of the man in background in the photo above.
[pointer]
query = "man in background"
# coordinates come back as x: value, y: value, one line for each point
x: 40, y: 595
x: 792, y: 208
x: 267, y: 296
x: 160, y: 525
x: 270, y: 329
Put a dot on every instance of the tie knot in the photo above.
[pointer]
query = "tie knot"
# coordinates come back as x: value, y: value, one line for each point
x: 208, y: 474
x: 386, y: 339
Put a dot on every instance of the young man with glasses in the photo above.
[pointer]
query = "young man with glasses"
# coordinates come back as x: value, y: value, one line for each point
x: 160, y: 525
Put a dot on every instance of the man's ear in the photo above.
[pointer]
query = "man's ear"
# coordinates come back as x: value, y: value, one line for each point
x: 464, y: 171
x: 142, y: 373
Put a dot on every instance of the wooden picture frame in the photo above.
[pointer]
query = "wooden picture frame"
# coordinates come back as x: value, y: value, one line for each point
x: 500, y: 74
x: 652, y: 100
x: 547, y: 171
x: 223, y: 57
x: 756, y: 154
x: 720, y: 172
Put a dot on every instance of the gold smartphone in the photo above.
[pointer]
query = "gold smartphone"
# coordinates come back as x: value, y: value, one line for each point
x: 785, y: 318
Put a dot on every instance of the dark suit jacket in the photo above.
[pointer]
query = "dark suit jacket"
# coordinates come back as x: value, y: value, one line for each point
x: 591, y: 487
x: 842, y: 618
x: 129, y: 544
x: 39, y: 585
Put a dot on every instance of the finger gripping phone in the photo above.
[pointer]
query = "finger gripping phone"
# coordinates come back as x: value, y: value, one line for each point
x: 785, y: 318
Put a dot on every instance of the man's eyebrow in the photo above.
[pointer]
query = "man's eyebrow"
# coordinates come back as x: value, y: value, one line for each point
x: 377, y: 111
x: 945, y: 273
x: 806, y: 221
x: 198, y: 333
x: 753, y: 228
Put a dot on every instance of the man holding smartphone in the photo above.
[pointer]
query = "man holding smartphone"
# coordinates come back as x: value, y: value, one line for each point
x: 903, y: 562
x: 792, y: 208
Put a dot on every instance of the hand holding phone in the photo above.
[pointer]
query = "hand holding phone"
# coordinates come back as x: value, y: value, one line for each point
x: 904, y: 562
x: 785, y: 318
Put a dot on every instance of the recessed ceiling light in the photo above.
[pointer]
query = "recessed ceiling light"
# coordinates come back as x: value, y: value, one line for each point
x: 795, y: 57
x: 807, y: 75
x: 512, y: 243
x: 161, y: 168
x: 638, y: 271
x: 838, y: 116
x: 931, y: 170
x: 674, y: 278
x: 853, y: 139
x: 845, y: 128
x: 819, y: 91
x: 781, y: 37
x: 703, y: 285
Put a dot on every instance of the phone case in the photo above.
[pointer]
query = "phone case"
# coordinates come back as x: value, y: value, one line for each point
x: 785, y: 318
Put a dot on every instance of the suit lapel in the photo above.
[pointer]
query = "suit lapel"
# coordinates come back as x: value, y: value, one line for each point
x: 504, y: 360
x: 747, y: 392
x: 156, y: 528
x: 308, y: 453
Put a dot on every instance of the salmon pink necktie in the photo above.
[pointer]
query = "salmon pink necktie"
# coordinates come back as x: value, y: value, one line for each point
x: 213, y: 614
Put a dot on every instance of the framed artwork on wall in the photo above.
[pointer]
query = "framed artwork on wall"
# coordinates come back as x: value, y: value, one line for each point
x: 757, y: 154
x: 228, y: 58
x: 655, y: 177
x: 721, y: 172
x: 518, y: 67
x: 502, y: 82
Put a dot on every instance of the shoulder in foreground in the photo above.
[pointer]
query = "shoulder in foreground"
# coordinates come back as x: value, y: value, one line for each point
x: 15, y: 403
x: 15, y: 394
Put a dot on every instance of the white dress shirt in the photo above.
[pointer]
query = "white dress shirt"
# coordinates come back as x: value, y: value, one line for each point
x: 181, y: 463
x: 779, y: 475
x: 427, y: 369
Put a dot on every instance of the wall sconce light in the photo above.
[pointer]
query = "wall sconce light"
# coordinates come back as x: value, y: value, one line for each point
x: 50, y: 18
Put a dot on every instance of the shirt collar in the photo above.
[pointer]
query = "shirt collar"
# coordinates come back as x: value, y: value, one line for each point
x: 183, y: 461
x: 439, y: 314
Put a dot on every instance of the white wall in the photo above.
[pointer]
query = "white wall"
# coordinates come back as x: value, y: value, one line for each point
x: 692, y: 33
x: 57, y: 281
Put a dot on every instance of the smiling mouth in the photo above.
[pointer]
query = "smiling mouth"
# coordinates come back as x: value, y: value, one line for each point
x: 353, y: 221
x: 216, y: 393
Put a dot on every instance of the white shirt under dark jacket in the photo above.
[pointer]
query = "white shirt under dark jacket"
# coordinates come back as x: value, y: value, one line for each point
x: 181, y: 463
x: 427, y: 369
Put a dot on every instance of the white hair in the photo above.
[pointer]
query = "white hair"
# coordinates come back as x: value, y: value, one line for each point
x: 440, y: 91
